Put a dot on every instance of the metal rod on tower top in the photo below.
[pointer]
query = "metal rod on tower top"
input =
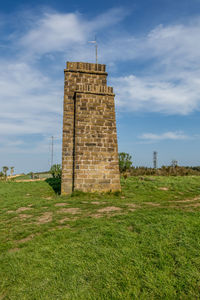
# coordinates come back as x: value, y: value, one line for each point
x: 96, y: 53
x: 96, y: 48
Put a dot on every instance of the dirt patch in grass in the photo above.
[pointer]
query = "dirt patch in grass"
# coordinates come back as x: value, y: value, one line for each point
x: 163, y: 188
x: 64, y: 220
x: 108, y: 209
x: 187, y: 200
x: 10, y: 211
x: 96, y: 216
x: 48, y: 198
x: 28, y: 238
x: 67, y: 219
x: 45, y: 218
x: 61, y: 204
x: 71, y: 210
x: 193, y: 205
x: 97, y: 202
x: 24, y: 216
x: 102, y: 212
x: 130, y: 228
x: 152, y: 203
x: 132, y: 209
x: 132, y: 205
x: 21, y: 209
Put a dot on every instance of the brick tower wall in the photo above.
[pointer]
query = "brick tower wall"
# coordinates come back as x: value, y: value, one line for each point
x: 90, y: 151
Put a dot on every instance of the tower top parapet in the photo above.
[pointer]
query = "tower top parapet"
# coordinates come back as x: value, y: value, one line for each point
x: 85, y: 67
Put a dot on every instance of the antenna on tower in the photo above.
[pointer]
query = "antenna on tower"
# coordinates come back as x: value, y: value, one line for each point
x: 155, y: 159
x: 96, y: 48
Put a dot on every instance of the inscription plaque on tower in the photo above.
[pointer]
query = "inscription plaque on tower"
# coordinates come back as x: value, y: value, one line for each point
x: 90, y: 151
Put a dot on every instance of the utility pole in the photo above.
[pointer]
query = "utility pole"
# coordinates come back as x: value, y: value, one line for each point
x: 52, y: 150
x: 155, y: 159
x: 96, y: 48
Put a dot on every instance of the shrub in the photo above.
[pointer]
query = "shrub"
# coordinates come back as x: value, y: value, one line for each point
x: 56, y: 171
x: 125, y: 162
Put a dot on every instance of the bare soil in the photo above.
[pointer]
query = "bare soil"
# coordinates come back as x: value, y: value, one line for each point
x: 71, y: 210
x: 45, y: 218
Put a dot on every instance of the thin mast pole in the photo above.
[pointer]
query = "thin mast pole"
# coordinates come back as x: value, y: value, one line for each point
x: 96, y: 53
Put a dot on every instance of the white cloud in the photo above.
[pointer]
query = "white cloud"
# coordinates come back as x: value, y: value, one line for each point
x: 170, y: 83
x: 63, y: 32
x: 30, y: 101
x: 53, y: 32
x: 157, y: 95
x: 164, y: 136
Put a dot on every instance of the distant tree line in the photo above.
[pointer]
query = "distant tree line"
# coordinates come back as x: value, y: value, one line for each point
x: 127, y: 169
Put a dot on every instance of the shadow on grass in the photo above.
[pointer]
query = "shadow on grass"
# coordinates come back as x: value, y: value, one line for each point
x: 55, y: 183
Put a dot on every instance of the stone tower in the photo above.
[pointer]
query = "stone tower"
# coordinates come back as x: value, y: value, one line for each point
x: 90, y: 152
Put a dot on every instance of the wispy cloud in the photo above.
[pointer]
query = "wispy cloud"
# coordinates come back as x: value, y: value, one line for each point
x: 170, y: 83
x: 170, y: 135
x: 61, y: 32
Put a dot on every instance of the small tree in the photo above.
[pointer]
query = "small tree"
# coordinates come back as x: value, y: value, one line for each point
x: 1, y: 175
x: 56, y: 171
x: 5, y: 170
x: 125, y: 162
x: 11, y: 170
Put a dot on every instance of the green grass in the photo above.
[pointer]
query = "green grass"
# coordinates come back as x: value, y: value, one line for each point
x: 147, y: 249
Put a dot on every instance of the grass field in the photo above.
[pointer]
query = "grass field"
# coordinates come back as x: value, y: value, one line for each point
x: 141, y: 244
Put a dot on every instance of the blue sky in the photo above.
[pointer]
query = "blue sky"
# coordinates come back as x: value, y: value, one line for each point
x: 152, y: 52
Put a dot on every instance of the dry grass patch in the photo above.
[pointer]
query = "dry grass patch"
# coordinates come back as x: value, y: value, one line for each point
x: 64, y: 220
x: 187, y: 200
x: 97, y: 202
x: 164, y: 188
x: 132, y: 205
x: 21, y: 209
x: 28, y: 238
x: 24, y: 216
x: 109, y: 209
x: 45, y: 218
x: 61, y: 204
x: 71, y: 210
x: 152, y: 203
x: 96, y: 216
x: 193, y: 205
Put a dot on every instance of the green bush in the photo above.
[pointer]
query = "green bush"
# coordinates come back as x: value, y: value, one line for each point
x: 56, y: 171
x: 125, y: 162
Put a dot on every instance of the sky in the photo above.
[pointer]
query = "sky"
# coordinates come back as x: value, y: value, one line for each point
x: 152, y: 52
